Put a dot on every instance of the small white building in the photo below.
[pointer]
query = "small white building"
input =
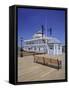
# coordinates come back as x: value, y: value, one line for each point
x: 49, y: 45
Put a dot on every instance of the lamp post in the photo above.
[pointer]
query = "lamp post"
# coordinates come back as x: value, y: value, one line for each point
x: 21, y: 48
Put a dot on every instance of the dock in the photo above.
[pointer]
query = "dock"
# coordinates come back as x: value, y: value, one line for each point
x: 28, y: 70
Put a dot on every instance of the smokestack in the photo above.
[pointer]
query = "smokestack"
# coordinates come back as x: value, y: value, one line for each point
x: 50, y: 31
x: 42, y: 31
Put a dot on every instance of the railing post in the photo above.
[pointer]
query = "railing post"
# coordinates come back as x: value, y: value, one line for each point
x: 43, y: 61
x: 58, y: 63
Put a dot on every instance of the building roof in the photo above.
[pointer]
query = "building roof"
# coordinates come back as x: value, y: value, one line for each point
x: 38, y: 36
x: 39, y: 32
x: 53, y: 40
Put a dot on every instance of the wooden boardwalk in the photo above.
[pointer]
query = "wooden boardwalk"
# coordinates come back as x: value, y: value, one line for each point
x: 30, y: 71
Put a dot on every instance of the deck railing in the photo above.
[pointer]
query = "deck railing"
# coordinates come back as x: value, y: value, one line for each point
x: 48, y: 61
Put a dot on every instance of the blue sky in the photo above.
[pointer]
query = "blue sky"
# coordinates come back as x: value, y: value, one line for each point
x: 30, y: 21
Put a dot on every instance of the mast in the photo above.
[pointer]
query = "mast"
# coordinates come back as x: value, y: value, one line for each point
x: 42, y: 37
